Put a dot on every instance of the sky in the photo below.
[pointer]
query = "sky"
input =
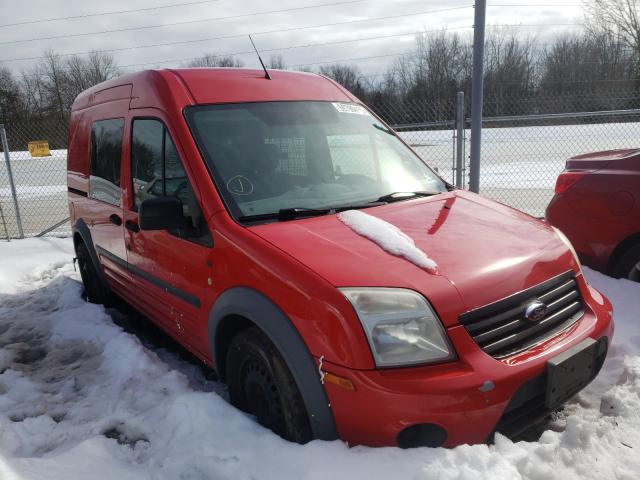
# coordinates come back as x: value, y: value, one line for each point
x: 367, y: 33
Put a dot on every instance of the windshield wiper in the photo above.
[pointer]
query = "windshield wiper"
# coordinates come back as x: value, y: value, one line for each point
x: 382, y: 129
x: 285, y: 214
x: 399, y: 196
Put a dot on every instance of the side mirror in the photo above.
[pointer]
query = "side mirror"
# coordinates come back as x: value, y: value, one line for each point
x: 161, y: 213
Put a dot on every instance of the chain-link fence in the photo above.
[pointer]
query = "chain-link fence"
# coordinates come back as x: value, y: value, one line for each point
x: 525, y: 143
x: 525, y: 140
x: 39, y: 183
x: 522, y: 155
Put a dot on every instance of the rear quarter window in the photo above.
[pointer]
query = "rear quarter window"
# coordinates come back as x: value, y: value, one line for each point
x: 106, y: 151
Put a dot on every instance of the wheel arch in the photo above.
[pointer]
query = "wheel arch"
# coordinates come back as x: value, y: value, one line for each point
x: 619, y: 251
x: 243, y: 307
x: 81, y: 234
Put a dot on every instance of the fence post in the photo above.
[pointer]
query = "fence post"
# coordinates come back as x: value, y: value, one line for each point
x: 476, y: 94
x: 460, y: 140
x: 5, y: 148
x: 4, y: 224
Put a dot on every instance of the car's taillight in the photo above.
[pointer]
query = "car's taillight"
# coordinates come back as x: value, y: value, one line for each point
x: 566, y: 180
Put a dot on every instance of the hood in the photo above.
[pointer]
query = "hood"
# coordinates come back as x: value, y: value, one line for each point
x: 485, y: 250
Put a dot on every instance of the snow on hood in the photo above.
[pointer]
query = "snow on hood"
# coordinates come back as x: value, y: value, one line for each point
x: 388, y: 237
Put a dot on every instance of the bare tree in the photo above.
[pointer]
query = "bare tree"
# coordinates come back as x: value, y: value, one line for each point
x: 211, y: 60
x: 55, y: 84
x: 276, y: 62
x: 619, y: 18
x: 10, y: 98
x: 509, y: 73
x: 304, y: 68
x: 83, y: 73
x: 348, y: 76
x: 31, y: 94
x: 438, y: 65
x: 576, y: 67
x: 100, y: 66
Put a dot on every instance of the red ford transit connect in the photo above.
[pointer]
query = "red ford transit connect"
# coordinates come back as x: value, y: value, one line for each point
x: 292, y: 241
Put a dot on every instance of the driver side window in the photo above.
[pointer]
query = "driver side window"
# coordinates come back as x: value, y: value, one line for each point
x: 156, y: 168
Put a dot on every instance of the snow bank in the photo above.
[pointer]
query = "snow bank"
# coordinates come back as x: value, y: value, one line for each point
x: 33, y: 191
x: 80, y: 398
x: 388, y: 237
x: 21, y: 260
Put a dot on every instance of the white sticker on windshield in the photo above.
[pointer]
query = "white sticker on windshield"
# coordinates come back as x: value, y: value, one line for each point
x: 350, y: 108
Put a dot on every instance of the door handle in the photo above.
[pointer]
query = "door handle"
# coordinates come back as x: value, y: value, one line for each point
x: 115, y: 219
x: 132, y: 226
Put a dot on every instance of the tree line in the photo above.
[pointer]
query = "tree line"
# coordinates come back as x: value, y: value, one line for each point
x: 596, y: 69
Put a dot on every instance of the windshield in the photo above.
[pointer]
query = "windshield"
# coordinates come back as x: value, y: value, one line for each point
x: 270, y: 156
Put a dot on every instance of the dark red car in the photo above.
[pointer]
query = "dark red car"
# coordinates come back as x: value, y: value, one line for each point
x: 292, y: 241
x: 597, y: 206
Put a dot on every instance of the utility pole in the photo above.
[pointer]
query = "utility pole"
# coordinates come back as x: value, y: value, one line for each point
x: 477, y: 94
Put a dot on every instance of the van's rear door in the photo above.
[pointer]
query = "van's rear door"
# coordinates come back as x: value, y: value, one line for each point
x: 104, y: 209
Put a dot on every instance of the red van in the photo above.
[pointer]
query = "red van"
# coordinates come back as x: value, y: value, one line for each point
x: 292, y: 241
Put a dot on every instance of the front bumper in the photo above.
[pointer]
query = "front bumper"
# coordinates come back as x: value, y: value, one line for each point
x: 469, y: 398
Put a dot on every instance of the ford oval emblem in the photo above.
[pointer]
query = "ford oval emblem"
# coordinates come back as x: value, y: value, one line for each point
x: 535, y: 311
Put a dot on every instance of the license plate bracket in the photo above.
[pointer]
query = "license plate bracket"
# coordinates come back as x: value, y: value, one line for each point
x: 570, y: 372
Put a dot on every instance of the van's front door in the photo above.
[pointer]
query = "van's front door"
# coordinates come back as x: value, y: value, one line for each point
x: 169, y: 269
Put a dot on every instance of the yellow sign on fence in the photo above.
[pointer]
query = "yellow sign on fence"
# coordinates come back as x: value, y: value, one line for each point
x: 39, y: 148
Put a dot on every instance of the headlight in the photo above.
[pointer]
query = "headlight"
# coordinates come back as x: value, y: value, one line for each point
x: 566, y: 241
x: 400, y: 325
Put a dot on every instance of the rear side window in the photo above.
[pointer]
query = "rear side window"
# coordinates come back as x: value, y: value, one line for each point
x: 106, y: 150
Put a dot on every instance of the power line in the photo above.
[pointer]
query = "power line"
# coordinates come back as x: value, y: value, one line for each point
x: 289, y: 47
x: 350, y: 60
x: 100, y: 14
x: 535, y: 25
x: 292, y: 47
x: 243, y: 35
x: 186, y: 22
x: 309, y: 45
x: 534, y: 5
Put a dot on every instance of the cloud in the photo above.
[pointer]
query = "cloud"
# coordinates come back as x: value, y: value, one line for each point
x: 285, y: 29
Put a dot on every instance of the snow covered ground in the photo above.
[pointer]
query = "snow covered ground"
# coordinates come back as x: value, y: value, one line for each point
x: 82, y: 398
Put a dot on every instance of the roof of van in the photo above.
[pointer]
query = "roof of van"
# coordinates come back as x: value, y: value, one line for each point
x: 189, y: 86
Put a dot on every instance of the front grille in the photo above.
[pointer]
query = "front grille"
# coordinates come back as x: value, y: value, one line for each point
x: 501, y: 328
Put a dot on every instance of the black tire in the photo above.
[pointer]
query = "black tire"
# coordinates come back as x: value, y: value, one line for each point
x: 260, y: 384
x: 628, y: 266
x: 94, y: 290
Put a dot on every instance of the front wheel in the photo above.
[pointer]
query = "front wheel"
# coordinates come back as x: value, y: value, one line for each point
x: 261, y: 384
x: 629, y: 264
